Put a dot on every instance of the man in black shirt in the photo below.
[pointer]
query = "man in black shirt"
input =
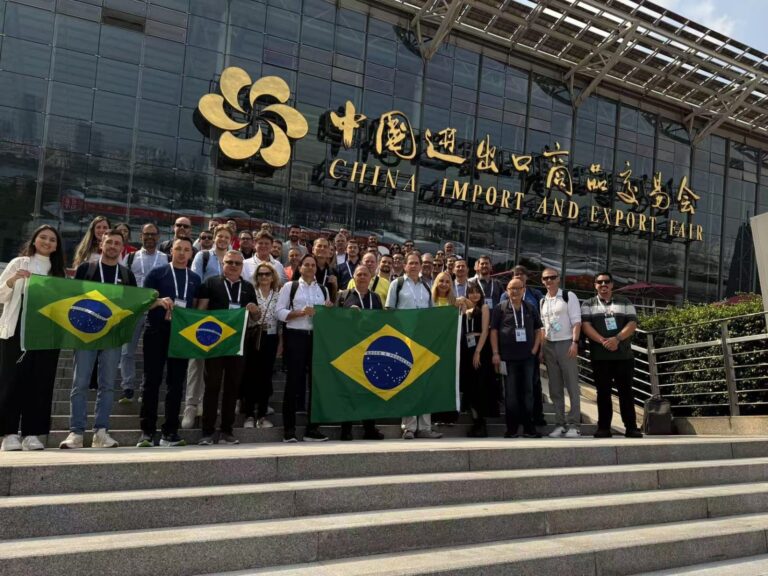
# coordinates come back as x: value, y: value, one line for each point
x: 106, y: 270
x: 182, y: 228
x: 224, y: 292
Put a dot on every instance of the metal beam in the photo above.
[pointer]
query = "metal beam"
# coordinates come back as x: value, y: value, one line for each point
x: 448, y: 13
x: 728, y: 109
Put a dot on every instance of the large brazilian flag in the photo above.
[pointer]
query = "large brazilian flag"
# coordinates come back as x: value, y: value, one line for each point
x: 79, y: 314
x: 207, y: 333
x: 384, y: 363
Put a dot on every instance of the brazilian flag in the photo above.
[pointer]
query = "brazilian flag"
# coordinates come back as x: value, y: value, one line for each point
x: 79, y: 314
x: 207, y: 333
x: 384, y: 363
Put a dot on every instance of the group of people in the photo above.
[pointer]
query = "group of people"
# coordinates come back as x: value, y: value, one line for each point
x: 506, y: 333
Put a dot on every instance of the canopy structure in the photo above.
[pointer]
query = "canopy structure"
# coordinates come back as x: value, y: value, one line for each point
x: 632, y: 44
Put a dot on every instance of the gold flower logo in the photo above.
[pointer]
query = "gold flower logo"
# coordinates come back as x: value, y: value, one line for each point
x: 239, y: 147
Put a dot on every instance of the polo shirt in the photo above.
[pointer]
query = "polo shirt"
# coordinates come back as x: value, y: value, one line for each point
x: 595, y: 312
x: 505, y: 319
x: 217, y: 291
x: 161, y: 279
x: 349, y: 298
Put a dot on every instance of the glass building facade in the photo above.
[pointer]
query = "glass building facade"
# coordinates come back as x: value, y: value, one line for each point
x: 98, y: 115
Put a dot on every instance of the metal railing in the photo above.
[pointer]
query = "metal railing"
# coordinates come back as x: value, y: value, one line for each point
x: 718, y: 374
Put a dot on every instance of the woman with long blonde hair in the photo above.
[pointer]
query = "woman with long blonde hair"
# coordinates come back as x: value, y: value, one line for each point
x: 90, y: 246
x: 443, y: 293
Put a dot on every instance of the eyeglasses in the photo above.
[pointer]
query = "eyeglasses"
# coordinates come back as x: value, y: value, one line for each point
x: 235, y: 263
x: 264, y: 274
x: 206, y: 237
x: 149, y: 234
x: 244, y: 238
x: 548, y: 278
x: 603, y: 282
x: 515, y: 288
x: 180, y: 225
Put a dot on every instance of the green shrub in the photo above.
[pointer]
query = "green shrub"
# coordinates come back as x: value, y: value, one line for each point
x: 701, y: 371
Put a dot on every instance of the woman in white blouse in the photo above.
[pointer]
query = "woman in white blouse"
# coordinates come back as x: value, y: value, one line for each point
x: 26, y: 379
x: 261, y: 353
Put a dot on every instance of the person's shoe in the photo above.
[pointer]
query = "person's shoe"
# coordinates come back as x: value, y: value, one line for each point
x: 270, y: 411
x: 603, y: 433
x: 314, y: 435
x: 199, y: 410
x: 127, y: 397
x: 11, y: 443
x: 188, y: 421
x: 430, y: 434
x: 74, y: 440
x: 478, y: 430
x: 408, y: 435
x: 172, y: 440
x: 532, y: 434
x: 206, y: 441
x: 540, y: 422
x: 509, y: 434
x: 32, y: 443
x: 228, y: 439
x: 102, y: 439
x: 250, y: 422
x: 290, y: 439
x: 633, y: 433
x: 374, y: 434
x: 347, y: 436
x: 573, y: 432
x: 558, y: 432
x: 145, y: 441
x: 264, y: 423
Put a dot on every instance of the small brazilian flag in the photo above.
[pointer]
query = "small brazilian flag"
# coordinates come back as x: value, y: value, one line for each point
x: 384, y: 363
x: 79, y: 314
x: 207, y: 333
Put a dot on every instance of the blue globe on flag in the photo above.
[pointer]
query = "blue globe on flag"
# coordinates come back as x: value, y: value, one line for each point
x: 208, y: 333
x: 89, y: 316
x: 387, y: 362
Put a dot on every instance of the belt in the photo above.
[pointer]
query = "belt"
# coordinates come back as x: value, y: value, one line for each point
x: 299, y: 331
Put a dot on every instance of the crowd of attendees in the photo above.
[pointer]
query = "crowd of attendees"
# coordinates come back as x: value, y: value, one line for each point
x: 507, y: 331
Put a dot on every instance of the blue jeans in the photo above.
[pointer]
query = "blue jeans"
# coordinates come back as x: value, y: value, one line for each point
x: 84, y: 360
x: 518, y: 395
x: 128, y: 357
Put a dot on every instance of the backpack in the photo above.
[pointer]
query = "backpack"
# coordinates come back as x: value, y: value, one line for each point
x: 125, y: 277
x: 295, y: 288
x: 401, y: 281
x: 658, y: 416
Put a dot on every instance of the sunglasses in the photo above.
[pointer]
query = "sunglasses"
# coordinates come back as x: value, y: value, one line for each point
x: 233, y: 263
x: 603, y: 282
x: 264, y: 274
x: 206, y: 237
x: 178, y: 225
x: 548, y: 278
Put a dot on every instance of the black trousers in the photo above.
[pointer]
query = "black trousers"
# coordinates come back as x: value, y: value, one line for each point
x: 518, y: 395
x: 222, y: 375
x: 297, y: 348
x: 614, y: 374
x: 155, y: 360
x: 476, y: 384
x: 256, y: 387
x: 26, y: 388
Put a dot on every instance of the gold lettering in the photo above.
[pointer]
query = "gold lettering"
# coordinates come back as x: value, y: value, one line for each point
x: 392, y: 182
x: 460, y: 190
x: 476, y: 191
x: 630, y: 219
x: 573, y: 210
x: 593, y: 213
x: 607, y: 216
x: 641, y: 225
x: 375, y: 179
x: 488, y: 196
x: 447, y: 141
x: 505, y: 198
x: 411, y: 184
x: 442, y: 191
x: 619, y: 217
x: 699, y: 232
x: 653, y: 223
x: 686, y: 198
x: 519, y: 200
x: 557, y: 207
x: 332, y: 169
x: 348, y: 123
x: 542, y: 209
x: 486, y: 156
x: 395, y: 134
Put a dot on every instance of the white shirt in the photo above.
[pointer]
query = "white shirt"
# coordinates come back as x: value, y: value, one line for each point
x: 555, y: 311
x: 250, y: 265
x: 143, y: 263
x: 341, y: 258
x: 306, y: 295
x: 412, y: 295
x: 11, y: 297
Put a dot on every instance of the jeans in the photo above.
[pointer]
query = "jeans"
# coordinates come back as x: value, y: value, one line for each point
x: 518, y: 394
x: 84, y: 361
x: 128, y: 356
x: 155, y: 359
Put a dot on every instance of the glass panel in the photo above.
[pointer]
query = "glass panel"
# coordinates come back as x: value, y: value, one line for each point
x: 28, y: 23
x: 71, y: 101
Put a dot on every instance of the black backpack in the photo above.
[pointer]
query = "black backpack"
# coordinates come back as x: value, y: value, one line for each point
x: 401, y: 281
x: 658, y: 416
x: 295, y: 288
x: 125, y: 277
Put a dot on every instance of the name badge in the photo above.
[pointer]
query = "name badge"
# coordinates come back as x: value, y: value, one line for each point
x: 471, y: 341
x: 272, y: 330
x: 489, y: 303
x: 556, y: 326
x: 520, y: 335
x: 610, y: 323
x: 179, y: 303
x: 234, y: 306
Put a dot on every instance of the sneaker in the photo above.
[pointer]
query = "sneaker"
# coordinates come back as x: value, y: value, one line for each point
x: 127, y: 397
x: 347, y: 437
x: 314, y: 435
x: 270, y: 411
x: 509, y: 434
x: 200, y: 410
x: 532, y: 434
x: 172, y: 440
x: 145, y: 441
x: 264, y: 423
x: 430, y: 434
x: 374, y: 434
x: 558, y: 432
x: 228, y: 439
x: 102, y: 439
x: 290, y: 439
x: 249, y: 422
x: 11, y: 443
x: 408, y: 435
x: 206, y: 441
x: 573, y: 432
x: 74, y: 440
x: 603, y: 433
x: 188, y: 421
x: 32, y: 443
x: 633, y: 433
x: 478, y: 431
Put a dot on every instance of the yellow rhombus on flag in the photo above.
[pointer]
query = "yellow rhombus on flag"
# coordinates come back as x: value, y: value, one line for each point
x: 89, y: 316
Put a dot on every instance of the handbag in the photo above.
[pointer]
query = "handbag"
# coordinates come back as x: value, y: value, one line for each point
x: 658, y: 416
x: 253, y: 336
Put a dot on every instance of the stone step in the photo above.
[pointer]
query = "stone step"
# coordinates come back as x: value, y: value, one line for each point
x: 37, y: 516
x: 752, y: 566
x: 82, y: 471
x: 621, y: 551
x: 62, y: 394
x: 617, y: 543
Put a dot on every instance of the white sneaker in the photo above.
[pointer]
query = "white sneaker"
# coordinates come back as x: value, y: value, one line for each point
x: 573, y: 432
x: 200, y: 409
x: 270, y: 410
x: 102, y: 439
x: 32, y: 443
x: 74, y: 440
x: 188, y: 421
x: 558, y: 432
x: 249, y: 423
x: 11, y: 443
x: 264, y: 423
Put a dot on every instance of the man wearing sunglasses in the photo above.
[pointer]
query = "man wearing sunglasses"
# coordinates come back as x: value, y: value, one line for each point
x: 182, y: 228
x: 610, y: 321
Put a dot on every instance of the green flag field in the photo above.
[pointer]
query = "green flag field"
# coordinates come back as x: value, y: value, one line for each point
x: 207, y: 333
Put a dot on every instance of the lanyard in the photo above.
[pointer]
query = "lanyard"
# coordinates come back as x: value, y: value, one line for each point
x: 176, y: 284
x: 550, y: 302
x: 349, y: 270
x: 480, y: 283
x: 362, y: 302
x: 141, y: 261
x: 607, y: 310
x: 522, y: 315
x: 101, y: 272
x: 466, y: 322
x: 239, y: 289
